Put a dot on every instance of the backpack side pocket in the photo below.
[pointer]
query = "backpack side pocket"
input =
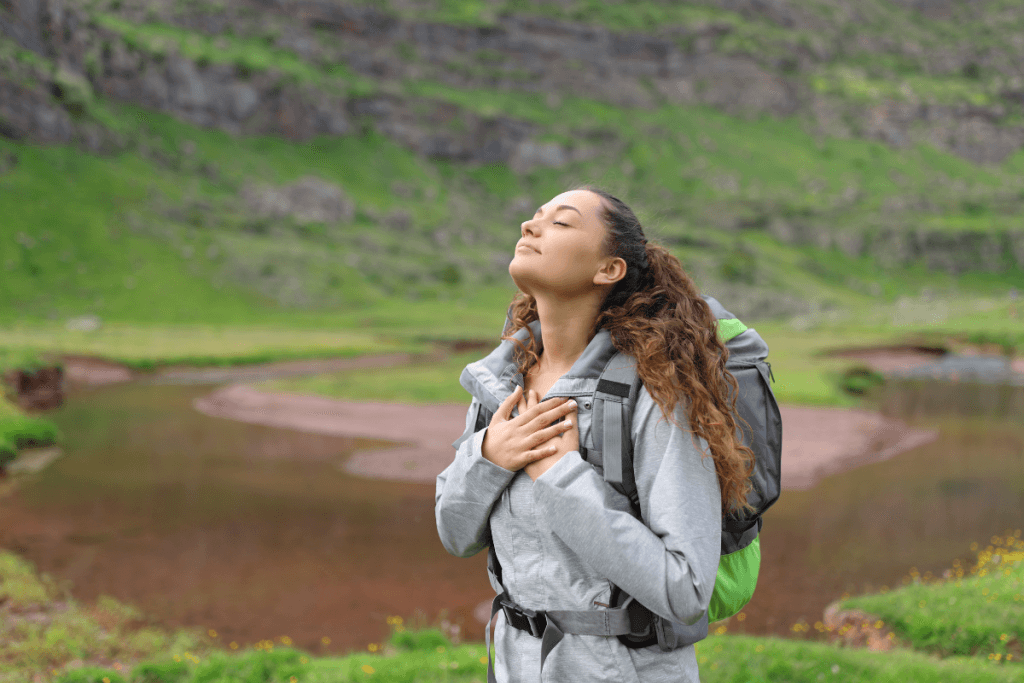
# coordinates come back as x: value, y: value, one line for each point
x: 735, y: 582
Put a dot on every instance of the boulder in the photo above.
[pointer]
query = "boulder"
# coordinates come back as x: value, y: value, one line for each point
x: 307, y: 200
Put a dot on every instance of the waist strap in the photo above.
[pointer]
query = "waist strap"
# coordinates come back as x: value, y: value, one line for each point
x: 552, y: 625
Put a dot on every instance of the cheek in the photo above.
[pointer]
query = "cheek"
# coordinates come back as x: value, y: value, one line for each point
x: 571, y: 268
x: 582, y: 258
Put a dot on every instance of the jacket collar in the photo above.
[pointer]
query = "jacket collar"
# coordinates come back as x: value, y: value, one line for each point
x: 492, y: 378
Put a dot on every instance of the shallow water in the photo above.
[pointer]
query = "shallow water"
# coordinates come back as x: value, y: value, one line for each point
x: 248, y: 530
x: 254, y: 531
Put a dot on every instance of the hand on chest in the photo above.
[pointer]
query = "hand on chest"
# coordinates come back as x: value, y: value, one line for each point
x: 541, y: 385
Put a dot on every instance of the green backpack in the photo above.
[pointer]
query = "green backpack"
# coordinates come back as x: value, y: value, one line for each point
x: 740, y: 560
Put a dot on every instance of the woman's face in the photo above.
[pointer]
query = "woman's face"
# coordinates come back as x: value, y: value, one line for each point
x: 560, y: 248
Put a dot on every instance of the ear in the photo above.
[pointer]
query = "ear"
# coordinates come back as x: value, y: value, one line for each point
x: 613, y: 270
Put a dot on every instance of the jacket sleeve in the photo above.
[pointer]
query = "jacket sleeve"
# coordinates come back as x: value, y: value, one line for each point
x: 466, y: 491
x: 668, y: 564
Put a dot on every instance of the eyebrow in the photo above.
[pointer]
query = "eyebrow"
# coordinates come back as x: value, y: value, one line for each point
x: 563, y: 206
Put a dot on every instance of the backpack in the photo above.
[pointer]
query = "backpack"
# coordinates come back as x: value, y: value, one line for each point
x: 617, y: 389
x: 740, y: 559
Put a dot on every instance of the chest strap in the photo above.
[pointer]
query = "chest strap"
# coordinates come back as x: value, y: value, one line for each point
x: 550, y: 626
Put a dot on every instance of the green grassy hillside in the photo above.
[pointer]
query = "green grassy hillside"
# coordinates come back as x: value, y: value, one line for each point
x: 155, y: 234
x: 162, y: 229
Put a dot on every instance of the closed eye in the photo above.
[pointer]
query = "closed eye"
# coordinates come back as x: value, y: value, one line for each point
x: 561, y: 223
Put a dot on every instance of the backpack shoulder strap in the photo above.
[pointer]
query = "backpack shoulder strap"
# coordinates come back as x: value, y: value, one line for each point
x: 614, y: 398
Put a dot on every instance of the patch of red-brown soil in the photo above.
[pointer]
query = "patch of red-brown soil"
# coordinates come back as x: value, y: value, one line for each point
x: 891, y: 358
x: 888, y: 359
x: 816, y: 442
x: 91, y: 370
x: 424, y: 433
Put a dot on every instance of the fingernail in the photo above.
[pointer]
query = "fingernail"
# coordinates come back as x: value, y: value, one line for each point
x: 572, y: 404
x: 568, y: 422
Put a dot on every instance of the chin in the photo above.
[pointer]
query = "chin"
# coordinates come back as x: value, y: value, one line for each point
x: 518, y: 277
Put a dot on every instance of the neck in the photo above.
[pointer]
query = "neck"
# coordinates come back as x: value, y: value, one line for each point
x: 565, y: 330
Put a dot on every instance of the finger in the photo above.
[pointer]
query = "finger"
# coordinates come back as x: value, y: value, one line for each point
x: 551, y: 411
x: 566, y: 408
x: 504, y: 411
x: 543, y: 407
x: 554, y: 430
x: 541, y: 452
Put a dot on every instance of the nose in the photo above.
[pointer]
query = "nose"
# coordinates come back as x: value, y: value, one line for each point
x: 527, y: 227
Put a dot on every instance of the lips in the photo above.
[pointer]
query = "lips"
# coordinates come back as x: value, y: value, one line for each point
x: 524, y: 245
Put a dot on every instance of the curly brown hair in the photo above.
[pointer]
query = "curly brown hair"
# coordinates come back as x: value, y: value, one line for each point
x: 655, y: 314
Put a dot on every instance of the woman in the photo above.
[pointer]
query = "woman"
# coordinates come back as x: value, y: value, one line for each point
x: 560, y: 538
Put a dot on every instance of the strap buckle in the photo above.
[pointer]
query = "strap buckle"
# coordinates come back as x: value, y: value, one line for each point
x: 524, y: 619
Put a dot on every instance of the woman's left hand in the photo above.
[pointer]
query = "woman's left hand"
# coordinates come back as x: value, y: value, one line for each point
x: 564, y: 442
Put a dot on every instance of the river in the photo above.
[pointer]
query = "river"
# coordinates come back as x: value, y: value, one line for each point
x: 255, y: 532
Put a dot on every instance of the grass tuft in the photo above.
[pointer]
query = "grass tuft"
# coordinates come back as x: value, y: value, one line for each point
x: 975, y: 611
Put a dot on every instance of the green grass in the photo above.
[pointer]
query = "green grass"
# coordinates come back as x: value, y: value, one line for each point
x: 865, y: 74
x: 248, y: 55
x: 853, y: 85
x: 801, y: 378
x: 418, y: 383
x: 144, y: 346
x: 18, y: 430
x: 976, y: 611
x: 27, y: 359
x: 772, y: 161
x: 146, y: 236
x: 746, y: 659
x: 427, y: 657
x: 105, y: 630
x: 90, y: 238
x: 118, y: 635
x: 805, y: 373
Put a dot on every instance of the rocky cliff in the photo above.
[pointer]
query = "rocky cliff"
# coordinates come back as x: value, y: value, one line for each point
x: 300, y: 68
x: 686, y: 64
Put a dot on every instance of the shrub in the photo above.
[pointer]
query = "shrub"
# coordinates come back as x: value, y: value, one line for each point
x: 160, y: 672
x: 860, y: 380
x: 91, y: 674
x: 423, y: 640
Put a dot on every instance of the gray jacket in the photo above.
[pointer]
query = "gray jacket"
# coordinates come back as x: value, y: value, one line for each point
x: 563, y: 540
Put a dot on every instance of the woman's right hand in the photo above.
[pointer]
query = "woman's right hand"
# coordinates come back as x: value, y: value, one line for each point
x: 515, y: 442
